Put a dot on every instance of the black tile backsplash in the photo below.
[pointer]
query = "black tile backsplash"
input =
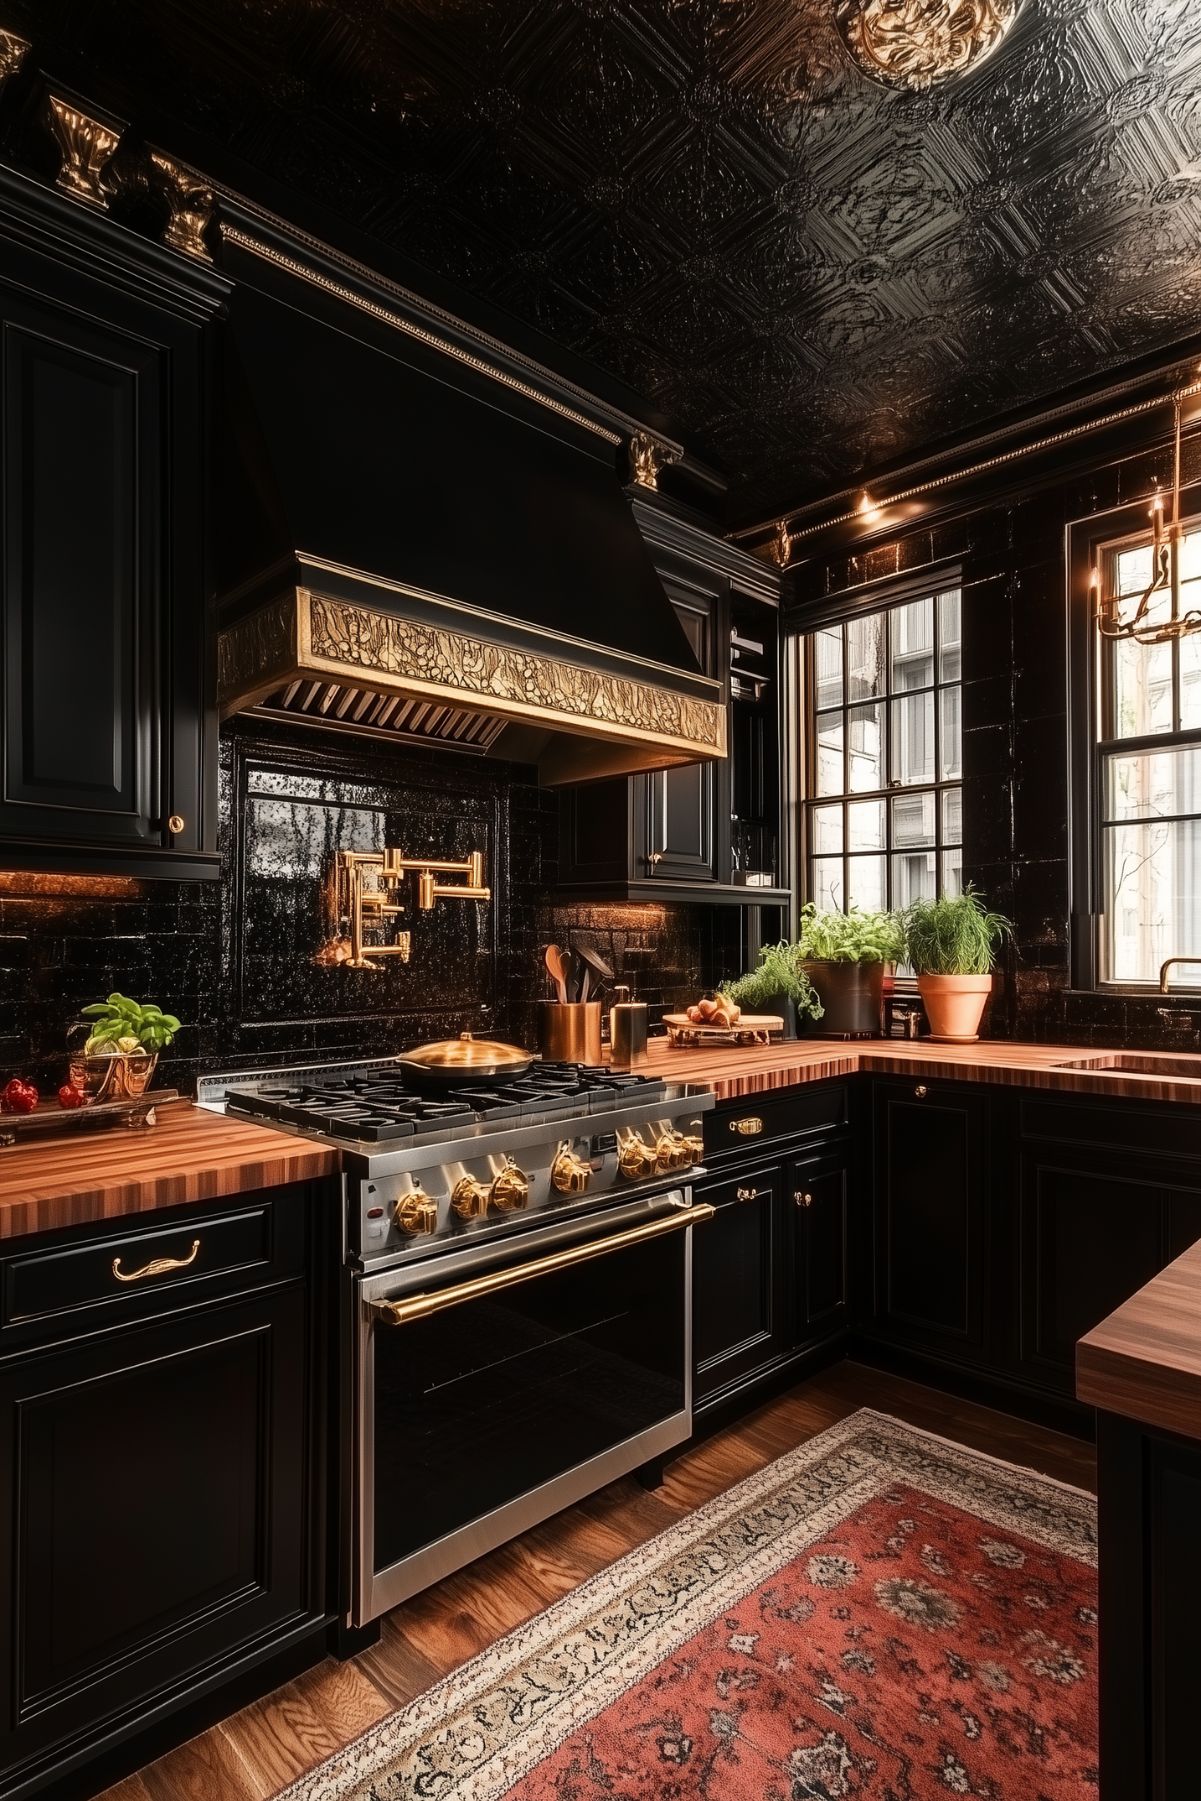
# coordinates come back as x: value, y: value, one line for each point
x: 235, y: 959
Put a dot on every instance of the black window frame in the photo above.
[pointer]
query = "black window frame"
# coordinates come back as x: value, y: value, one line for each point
x: 1089, y: 542
x: 928, y: 582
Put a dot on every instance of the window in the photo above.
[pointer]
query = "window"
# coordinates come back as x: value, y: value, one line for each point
x: 884, y: 808
x: 1146, y: 776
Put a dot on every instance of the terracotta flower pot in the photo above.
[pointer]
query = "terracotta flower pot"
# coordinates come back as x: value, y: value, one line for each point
x: 954, y: 1005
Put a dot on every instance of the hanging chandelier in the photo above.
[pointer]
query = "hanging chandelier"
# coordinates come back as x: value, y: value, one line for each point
x: 1167, y: 536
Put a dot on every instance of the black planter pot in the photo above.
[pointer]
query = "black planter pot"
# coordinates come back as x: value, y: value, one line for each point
x: 852, y: 995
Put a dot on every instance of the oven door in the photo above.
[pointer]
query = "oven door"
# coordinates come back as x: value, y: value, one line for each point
x: 496, y: 1386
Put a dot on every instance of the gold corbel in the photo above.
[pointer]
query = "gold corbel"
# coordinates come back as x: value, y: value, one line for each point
x: 13, y: 51
x: 192, y: 205
x: 648, y: 456
x: 87, y: 145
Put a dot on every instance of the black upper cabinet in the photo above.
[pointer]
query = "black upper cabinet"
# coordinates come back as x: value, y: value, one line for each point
x: 668, y: 834
x: 108, y: 726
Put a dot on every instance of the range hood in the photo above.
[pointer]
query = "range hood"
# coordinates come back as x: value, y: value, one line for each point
x: 407, y: 549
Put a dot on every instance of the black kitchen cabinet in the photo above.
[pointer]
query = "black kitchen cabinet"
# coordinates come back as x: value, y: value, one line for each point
x: 818, y: 1211
x: 931, y: 1144
x: 1094, y: 1224
x: 740, y: 1297
x: 685, y: 829
x: 109, y: 738
x: 163, y: 1522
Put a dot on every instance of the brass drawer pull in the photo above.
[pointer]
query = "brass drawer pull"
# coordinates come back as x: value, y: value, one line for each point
x: 421, y: 1305
x: 803, y: 1198
x: 158, y: 1266
x: 920, y: 1091
x: 747, y: 1127
x: 750, y: 1194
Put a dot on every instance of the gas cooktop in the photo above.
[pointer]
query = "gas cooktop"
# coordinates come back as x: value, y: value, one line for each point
x: 373, y: 1105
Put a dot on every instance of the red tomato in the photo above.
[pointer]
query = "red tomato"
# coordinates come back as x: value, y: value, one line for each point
x: 19, y: 1097
x: 70, y: 1097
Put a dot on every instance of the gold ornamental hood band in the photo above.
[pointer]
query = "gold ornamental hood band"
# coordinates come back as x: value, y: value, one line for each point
x: 342, y: 663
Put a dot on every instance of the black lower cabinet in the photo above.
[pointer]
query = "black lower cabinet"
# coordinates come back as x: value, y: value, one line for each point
x: 162, y: 1525
x: 739, y: 1294
x: 931, y: 1146
x: 818, y: 1212
x: 1149, y: 1503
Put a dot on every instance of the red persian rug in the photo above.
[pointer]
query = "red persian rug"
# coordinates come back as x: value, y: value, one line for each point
x: 879, y: 1613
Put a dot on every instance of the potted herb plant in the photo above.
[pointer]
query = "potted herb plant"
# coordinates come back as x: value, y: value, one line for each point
x: 778, y: 985
x: 115, y: 1053
x: 847, y: 957
x: 952, y: 946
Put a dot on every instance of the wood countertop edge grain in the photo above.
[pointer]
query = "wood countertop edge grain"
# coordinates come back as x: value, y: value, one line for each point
x: 190, y: 1157
x: 1144, y: 1359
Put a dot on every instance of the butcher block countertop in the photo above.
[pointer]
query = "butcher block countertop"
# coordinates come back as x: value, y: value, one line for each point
x: 190, y: 1155
x: 746, y: 1070
x: 1144, y: 1360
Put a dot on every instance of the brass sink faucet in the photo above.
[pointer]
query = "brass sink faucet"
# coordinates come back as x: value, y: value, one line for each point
x: 1170, y: 964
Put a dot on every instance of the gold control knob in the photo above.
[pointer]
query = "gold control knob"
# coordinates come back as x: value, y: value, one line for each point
x: 672, y: 1151
x: 637, y: 1159
x: 511, y: 1190
x: 470, y: 1198
x: 570, y: 1173
x: 416, y: 1214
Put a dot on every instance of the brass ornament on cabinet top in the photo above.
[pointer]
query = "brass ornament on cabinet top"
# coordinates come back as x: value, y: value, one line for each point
x: 13, y: 51
x: 192, y: 205
x: 88, y: 146
x: 920, y: 43
x: 648, y: 456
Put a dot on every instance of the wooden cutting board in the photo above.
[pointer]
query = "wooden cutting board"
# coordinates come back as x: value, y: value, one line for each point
x: 752, y: 1028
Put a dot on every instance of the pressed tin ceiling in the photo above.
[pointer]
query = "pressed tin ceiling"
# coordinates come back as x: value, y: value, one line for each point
x: 811, y: 269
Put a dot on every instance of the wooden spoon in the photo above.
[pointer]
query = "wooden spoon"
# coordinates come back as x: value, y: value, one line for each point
x: 553, y: 958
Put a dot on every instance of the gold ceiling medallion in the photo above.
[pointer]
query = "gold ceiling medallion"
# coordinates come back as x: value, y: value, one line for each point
x: 919, y: 43
x: 1147, y: 623
x: 648, y: 457
x: 13, y: 51
x: 87, y: 147
x: 192, y: 205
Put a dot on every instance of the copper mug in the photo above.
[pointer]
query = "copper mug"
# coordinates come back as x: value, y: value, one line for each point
x: 570, y: 1032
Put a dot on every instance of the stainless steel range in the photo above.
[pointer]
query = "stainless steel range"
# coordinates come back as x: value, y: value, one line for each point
x: 517, y: 1288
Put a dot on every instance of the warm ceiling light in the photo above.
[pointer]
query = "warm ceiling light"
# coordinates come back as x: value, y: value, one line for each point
x: 1166, y: 540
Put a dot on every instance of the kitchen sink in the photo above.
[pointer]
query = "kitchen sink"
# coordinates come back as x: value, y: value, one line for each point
x: 1138, y: 1063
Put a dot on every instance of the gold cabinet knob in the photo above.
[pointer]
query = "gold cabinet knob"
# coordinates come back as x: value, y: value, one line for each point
x: 416, y: 1213
x: 920, y: 1091
x: 175, y: 824
x: 470, y: 1198
x: 570, y: 1173
x: 749, y: 1126
x: 803, y: 1198
x: 749, y: 1194
x: 637, y: 1159
x: 511, y: 1190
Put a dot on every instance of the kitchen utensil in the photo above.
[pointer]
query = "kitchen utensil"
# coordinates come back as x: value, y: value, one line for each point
x: 568, y: 964
x: 553, y: 958
x: 571, y: 1033
x: 628, y: 1023
x: 464, y: 1059
x: 600, y: 970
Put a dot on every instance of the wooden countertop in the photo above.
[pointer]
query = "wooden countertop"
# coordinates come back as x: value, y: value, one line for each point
x: 190, y: 1155
x: 735, y: 1073
x: 1145, y: 1359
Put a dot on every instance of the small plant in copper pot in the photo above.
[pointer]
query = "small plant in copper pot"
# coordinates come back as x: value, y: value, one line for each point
x: 117, y: 1050
x: 952, y: 945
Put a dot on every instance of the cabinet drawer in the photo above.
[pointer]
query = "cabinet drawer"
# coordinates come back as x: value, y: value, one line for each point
x: 131, y: 1270
x: 748, y: 1185
x: 745, y: 1124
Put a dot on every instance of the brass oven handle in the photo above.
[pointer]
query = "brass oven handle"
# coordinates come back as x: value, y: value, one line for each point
x: 749, y: 1126
x: 750, y: 1194
x: 158, y: 1266
x: 420, y: 1306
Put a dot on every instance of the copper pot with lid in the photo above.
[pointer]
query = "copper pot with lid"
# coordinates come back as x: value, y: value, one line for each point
x: 465, y: 1059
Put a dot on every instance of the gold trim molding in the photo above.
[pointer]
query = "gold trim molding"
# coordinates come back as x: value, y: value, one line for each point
x: 303, y: 634
x: 13, y: 51
x: 87, y: 146
x: 920, y: 43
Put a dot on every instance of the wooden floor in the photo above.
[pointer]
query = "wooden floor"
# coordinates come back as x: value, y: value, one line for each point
x: 253, y: 1754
